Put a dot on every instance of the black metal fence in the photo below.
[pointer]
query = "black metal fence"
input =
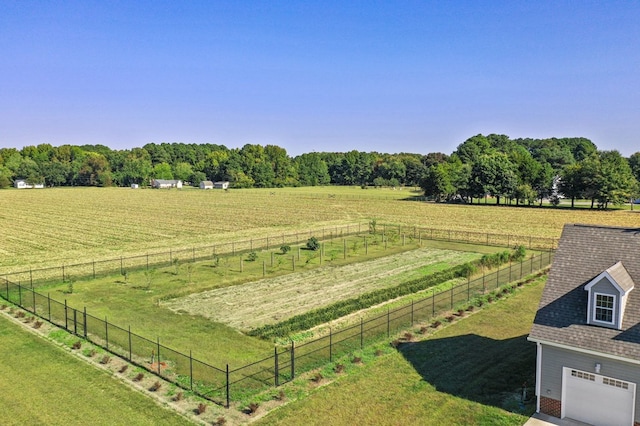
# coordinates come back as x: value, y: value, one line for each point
x: 224, y: 384
x: 99, y: 268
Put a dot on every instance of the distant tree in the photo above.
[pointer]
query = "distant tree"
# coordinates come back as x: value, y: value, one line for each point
x: 162, y: 171
x: 312, y: 170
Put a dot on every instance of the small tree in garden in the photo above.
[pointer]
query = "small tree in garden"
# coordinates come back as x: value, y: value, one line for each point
x: 285, y: 249
x: 313, y: 244
x: 252, y: 257
x: 148, y: 277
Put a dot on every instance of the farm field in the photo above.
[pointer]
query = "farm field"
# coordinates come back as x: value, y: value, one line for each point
x: 268, y: 301
x: 56, y: 225
x: 438, y: 380
x: 41, y: 384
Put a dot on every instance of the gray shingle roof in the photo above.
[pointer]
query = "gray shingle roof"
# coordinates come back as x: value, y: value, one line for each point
x: 584, y: 252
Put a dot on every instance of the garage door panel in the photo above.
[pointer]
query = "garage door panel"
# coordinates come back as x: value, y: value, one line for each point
x: 597, y: 399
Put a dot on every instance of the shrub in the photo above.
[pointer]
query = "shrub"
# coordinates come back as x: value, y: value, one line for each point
x: 339, y: 368
x: 3, y: 307
x: 284, y: 249
x: 519, y: 253
x: 157, y: 385
x: 436, y: 324
x: 317, y: 377
x: 460, y: 312
x: 253, y: 407
x: 220, y: 421
x: 252, y: 257
x: 281, y: 396
x: 138, y: 377
x: 450, y: 318
x: 395, y: 343
x: 470, y: 308
x: 408, y: 336
x: 313, y: 244
x: 423, y: 330
x: 37, y: 324
x: 20, y: 314
x: 105, y: 360
x: 123, y: 368
x: 179, y: 396
x: 378, y: 352
x: 201, y: 408
x: 76, y: 345
x: 356, y: 360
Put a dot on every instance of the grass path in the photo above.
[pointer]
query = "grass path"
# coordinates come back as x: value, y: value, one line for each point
x: 40, y: 384
x: 460, y: 375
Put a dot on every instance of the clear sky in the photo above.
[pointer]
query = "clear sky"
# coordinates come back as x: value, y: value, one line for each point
x: 387, y: 76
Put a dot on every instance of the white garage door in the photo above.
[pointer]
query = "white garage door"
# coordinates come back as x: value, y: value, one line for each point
x: 596, y: 399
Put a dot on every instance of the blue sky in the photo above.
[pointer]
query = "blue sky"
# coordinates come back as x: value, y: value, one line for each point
x: 405, y: 76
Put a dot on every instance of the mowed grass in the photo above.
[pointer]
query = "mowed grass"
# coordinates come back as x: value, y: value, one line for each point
x: 55, y: 225
x: 461, y: 375
x: 40, y: 384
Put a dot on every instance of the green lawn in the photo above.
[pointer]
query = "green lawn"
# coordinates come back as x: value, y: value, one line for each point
x: 40, y: 384
x: 464, y: 374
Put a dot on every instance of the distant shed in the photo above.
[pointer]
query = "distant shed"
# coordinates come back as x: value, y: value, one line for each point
x: 221, y: 185
x: 206, y: 184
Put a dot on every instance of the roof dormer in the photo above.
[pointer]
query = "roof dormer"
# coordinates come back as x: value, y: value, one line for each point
x: 608, y: 297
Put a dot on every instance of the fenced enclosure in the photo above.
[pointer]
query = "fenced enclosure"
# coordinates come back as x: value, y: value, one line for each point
x: 390, y: 232
x: 225, y: 384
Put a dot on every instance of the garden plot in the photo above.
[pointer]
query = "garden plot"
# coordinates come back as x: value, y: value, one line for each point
x: 272, y: 300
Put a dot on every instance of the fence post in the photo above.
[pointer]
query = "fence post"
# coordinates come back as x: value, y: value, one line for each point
x: 388, y: 323
x: 19, y: 295
x: 469, y: 287
x: 66, y: 316
x: 451, y: 295
x: 75, y: 321
x: 228, y: 401
x: 361, y: 333
x: 121, y: 268
x: 293, y: 360
x: 130, y: 358
x: 264, y: 268
x: 106, y: 331
x: 275, y: 356
x: 190, y: 370
x: 94, y: 268
x: 49, y: 305
x: 63, y: 272
x: 344, y: 248
x: 84, y: 320
x: 411, y: 312
x: 293, y: 263
x: 6, y: 281
x: 433, y: 302
x: 330, y: 345
x: 31, y: 277
x: 33, y: 293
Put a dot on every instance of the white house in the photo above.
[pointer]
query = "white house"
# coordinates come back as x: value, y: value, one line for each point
x: 587, y: 328
x: 165, y: 184
x: 22, y: 184
x: 221, y: 185
x: 206, y: 184
x: 134, y: 186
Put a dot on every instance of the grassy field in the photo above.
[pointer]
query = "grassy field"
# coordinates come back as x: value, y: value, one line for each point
x: 467, y: 373
x: 51, y: 226
x: 42, y: 385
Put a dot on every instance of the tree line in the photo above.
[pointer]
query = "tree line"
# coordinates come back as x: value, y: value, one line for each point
x: 520, y: 170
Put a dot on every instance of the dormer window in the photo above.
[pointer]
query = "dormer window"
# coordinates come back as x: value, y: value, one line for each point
x: 604, y: 308
x: 607, y: 298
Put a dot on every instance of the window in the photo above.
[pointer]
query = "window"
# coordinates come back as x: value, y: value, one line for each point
x: 604, y: 308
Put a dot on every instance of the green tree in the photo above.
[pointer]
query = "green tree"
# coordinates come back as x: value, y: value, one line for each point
x: 312, y: 170
x: 162, y: 171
